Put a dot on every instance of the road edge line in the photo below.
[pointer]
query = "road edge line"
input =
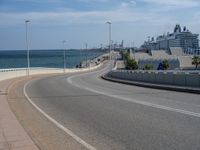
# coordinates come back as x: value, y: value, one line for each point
x: 69, y: 132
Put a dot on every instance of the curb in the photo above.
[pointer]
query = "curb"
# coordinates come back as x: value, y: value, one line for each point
x: 155, y: 86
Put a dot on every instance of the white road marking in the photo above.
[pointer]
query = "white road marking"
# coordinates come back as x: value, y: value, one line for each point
x: 69, y: 80
x: 69, y: 132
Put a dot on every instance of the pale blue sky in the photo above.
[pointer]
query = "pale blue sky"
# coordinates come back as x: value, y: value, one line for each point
x: 80, y: 21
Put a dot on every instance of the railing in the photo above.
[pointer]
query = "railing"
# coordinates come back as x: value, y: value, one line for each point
x: 12, y: 69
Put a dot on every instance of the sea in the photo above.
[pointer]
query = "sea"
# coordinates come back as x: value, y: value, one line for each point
x: 46, y: 58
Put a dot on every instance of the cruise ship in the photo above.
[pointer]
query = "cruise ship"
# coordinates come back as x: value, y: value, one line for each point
x: 180, y: 38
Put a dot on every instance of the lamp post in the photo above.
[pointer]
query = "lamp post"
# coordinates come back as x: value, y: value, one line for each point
x: 86, y: 45
x: 80, y: 58
x: 27, y: 48
x: 64, y: 57
x: 109, y: 24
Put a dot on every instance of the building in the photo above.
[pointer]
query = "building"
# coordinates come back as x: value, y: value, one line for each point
x: 184, y: 39
x: 176, y: 61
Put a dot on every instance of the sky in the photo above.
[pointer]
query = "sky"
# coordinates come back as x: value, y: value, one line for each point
x: 84, y: 21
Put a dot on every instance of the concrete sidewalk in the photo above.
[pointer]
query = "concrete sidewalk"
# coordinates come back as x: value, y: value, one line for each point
x: 12, y: 134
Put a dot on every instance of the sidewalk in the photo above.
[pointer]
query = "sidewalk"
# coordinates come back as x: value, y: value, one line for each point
x: 12, y: 134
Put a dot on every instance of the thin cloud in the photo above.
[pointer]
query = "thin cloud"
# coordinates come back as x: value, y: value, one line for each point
x: 40, y: 1
x: 89, y: 1
x: 121, y: 15
x: 174, y: 3
x: 124, y: 13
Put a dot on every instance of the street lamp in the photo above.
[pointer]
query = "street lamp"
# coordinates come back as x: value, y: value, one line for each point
x: 64, y: 57
x: 86, y: 45
x: 80, y: 58
x: 27, y: 48
x: 109, y: 24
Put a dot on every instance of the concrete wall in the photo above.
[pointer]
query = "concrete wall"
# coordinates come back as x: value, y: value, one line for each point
x: 20, y: 72
x: 181, y: 78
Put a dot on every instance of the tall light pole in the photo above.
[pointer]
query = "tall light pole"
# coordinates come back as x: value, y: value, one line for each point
x: 27, y: 48
x: 109, y: 24
x: 80, y: 58
x: 64, y: 57
x: 86, y: 45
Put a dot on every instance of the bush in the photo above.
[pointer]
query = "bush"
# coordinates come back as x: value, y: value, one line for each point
x: 126, y: 56
x: 196, y: 61
x: 130, y: 63
x: 165, y: 64
x: 148, y: 67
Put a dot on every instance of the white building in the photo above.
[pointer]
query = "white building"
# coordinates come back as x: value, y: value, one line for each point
x: 176, y: 60
x: 184, y: 39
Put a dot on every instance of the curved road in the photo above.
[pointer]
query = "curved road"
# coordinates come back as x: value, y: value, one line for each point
x: 115, y: 116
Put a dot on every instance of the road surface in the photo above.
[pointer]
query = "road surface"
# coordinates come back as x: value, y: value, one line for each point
x: 115, y: 116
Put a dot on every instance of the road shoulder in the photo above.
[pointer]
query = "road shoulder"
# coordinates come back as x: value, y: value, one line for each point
x: 12, y: 134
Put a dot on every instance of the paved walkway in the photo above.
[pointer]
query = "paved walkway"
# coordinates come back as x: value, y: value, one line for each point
x: 12, y: 134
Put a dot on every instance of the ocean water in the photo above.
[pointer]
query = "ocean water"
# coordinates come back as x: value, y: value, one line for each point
x: 45, y: 58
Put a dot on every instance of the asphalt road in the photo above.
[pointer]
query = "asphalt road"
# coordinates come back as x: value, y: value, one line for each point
x: 115, y: 116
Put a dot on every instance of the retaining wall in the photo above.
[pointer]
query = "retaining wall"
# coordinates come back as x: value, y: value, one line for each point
x: 179, y: 78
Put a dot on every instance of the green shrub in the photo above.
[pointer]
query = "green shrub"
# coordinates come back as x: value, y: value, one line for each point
x: 130, y: 63
x: 165, y: 64
x: 148, y: 67
x: 196, y: 61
